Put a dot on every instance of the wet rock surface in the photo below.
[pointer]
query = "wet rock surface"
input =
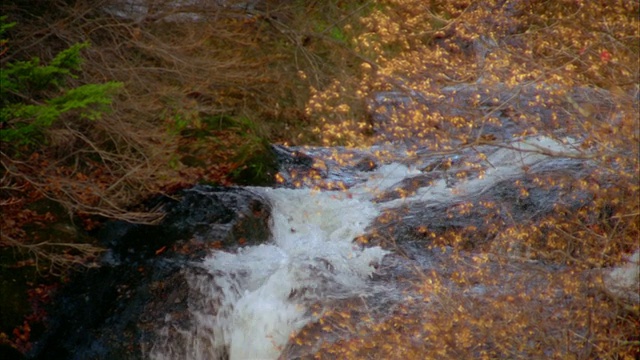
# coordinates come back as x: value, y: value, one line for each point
x: 519, y: 199
x: 202, y: 214
x: 111, y: 312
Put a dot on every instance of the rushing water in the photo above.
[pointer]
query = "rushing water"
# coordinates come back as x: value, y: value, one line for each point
x: 247, y: 304
x: 260, y: 295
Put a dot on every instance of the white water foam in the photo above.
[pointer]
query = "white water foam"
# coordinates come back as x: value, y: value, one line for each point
x: 504, y: 164
x: 256, y: 298
x: 314, y: 256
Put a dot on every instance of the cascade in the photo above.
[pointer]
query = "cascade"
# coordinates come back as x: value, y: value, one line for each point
x: 247, y: 304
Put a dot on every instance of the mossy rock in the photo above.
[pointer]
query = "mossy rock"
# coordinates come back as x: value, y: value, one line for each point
x: 258, y: 168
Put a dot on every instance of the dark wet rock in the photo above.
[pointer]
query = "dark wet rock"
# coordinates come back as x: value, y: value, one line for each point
x: 366, y: 164
x: 201, y: 215
x: 258, y: 165
x: 114, y: 311
x: 296, y: 167
x: 409, y: 186
x: 290, y: 158
x: 327, y: 168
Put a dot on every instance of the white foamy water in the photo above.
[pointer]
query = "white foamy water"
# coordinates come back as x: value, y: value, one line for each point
x: 256, y: 298
x: 246, y: 305
x: 506, y: 163
x: 312, y: 254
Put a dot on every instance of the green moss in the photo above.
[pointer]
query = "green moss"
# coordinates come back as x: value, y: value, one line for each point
x: 258, y: 164
x: 257, y: 169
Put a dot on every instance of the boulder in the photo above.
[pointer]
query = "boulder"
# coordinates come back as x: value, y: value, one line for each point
x: 112, y: 312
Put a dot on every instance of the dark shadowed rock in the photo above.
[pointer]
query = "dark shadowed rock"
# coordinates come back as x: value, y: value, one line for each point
x: 197, y: 217
x: 112, y: 312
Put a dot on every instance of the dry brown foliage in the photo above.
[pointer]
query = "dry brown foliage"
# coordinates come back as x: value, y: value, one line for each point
x: 453, y: 70
x: 186, y: 70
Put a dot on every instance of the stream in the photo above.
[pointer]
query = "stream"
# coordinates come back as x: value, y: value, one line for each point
x: 249, y: 302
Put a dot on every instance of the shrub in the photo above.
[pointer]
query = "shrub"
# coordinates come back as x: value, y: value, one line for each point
x: 34, y: 96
